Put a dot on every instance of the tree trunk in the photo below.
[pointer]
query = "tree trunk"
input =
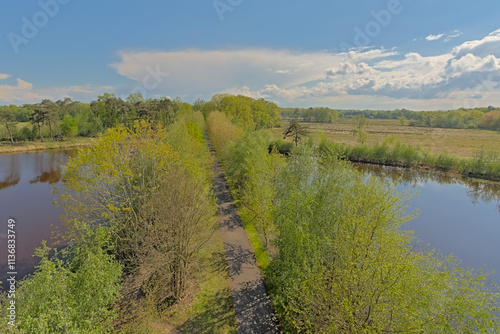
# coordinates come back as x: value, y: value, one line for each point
x: 59, y: 131
x: 40, y: 131
x: 51, y: 133
x: 10, y: 133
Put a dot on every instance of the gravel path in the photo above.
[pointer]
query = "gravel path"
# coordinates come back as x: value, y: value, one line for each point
x: 254, y: 313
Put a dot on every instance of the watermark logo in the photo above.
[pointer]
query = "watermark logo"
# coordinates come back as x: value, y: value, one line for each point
x: 373, y: 28
x: 31, y: 26
x: 151, y: 80
x: 11, y: 272
x: 221, y: 7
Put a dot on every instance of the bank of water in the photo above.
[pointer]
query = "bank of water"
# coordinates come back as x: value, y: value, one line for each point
x: 26, y: 183
x: 458, y: 215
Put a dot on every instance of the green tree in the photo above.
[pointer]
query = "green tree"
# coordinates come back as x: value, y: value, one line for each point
x: 359, y: 123
x: 296, y: 131
x: 74, y: 291
x: 345, y: 265
x: 7, y: 118
x: 69, y: 126
x: 153, y: 199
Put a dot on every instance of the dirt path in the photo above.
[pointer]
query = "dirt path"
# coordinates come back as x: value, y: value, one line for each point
x: 254, y: 313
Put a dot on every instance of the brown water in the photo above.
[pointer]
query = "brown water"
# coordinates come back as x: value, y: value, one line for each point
x: 26, y: 183
x: 458, y: 215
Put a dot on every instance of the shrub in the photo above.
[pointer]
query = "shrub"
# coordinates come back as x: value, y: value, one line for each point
x: 281, y: 146
x: 73, y: 296
x: 346, y: 266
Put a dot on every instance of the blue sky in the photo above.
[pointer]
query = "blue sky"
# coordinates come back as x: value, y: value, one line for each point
x: 415, y: 54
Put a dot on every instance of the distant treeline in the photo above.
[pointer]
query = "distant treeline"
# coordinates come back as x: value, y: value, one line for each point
x: 67, y: 118
x: 483, y: 118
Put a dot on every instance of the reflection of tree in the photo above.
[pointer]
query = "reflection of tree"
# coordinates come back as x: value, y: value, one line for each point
x: 48, y: 167
x: 477, y: 190
x: 13, y: 177
x: 48, y: 177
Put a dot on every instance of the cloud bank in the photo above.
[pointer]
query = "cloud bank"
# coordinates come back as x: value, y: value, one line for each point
x: 24, y: 92
x: 468, y: 74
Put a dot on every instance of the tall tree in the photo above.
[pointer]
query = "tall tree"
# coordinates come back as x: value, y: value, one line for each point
x: 359, y: 123
x: 51, y: 117
x: 7, y: 118
x: 37, y: 117
x: 296, y: 131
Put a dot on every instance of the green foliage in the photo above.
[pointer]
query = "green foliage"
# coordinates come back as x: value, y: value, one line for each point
x: 486, y: 164
x: 73, y: 296
x: 296, y: 131
x: 25, y: 134
x: 69, y: 126
x: 318, y: 114
x: 221, y: 131
x: 342, y: 262
x: 345, y: 265
x: 244, y: 111
x: 251, y: 172
x: 154, y: 199
x: 281, y: 146
x: 359, y: 123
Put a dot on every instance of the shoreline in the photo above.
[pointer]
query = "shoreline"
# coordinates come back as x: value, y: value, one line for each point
x: 26, y: 146
x: 426, y: 167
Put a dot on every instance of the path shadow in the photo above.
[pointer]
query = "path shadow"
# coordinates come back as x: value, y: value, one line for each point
x: 217, y: 318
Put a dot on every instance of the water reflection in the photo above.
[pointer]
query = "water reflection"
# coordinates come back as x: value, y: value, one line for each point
x: 26, y: 183
x: 10, y: 177
x: 458, y: 215
x: 477, y: 190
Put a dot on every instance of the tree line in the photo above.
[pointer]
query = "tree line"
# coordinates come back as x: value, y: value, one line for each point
x: 48, y: 120
x: 477, y: 118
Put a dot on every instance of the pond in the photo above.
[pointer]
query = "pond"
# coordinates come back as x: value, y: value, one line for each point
x: 458, y: 215
x: 26, y: 183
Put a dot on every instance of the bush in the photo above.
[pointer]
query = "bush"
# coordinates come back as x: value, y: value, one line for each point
x: 73, y: 296
x: 221, y: 130
x: 69, y: 126
x: 25, y: 134
x: 346, y: 266
x: 281, y: 146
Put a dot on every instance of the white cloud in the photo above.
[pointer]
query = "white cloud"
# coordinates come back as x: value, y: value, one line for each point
x: 489, y: 45
x: 24, y: 92
x: 453, y: 34
x: 445, y: 37
x: 434, y: 37
x: 385, y: 77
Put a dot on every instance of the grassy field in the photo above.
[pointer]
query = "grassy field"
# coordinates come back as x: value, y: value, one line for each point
x: 463, y: 143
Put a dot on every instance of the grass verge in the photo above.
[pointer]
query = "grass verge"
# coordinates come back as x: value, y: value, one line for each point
x: 26, y: 146
x: 207, y: 306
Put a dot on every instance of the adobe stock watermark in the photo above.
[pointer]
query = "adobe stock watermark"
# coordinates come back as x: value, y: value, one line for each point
x: 223, y: 6
x: 31, y: 26
x: 381, y: 19
x: 482, y: 92
x: 151, y: 81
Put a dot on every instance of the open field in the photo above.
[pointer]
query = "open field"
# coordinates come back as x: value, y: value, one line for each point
x: 463, y: 143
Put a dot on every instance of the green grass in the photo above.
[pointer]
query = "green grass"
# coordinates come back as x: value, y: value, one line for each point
x: 207, y: 306
x: 464, y: 143
x: 25, y: 146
